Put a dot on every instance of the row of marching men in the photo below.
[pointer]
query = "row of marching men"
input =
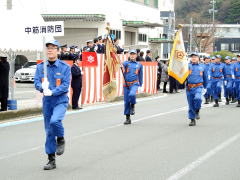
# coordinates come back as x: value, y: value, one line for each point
x: 208, y: 78
x: 226, y: 75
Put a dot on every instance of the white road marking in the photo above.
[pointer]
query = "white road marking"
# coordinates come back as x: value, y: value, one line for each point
x: 89, y: 108
x: 96, y: 131
x: 179, y: 174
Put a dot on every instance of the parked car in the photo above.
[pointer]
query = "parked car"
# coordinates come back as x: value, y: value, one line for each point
x: 27, y: 72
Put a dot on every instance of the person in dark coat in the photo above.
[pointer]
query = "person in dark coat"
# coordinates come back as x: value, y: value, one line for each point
x: 141, y: 58
x: 157, y: 59
x: 4, y: 82
x: 148, y: 56
x: 164, y: 76
x: 76, y: 84
x: 64, y: 53
x: 138, y: 54
x: 119, y: 49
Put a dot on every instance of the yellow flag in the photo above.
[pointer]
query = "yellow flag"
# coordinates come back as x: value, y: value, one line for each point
x: 178, y: 65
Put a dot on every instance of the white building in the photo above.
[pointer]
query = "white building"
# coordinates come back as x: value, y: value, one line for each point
x: 134, y: 22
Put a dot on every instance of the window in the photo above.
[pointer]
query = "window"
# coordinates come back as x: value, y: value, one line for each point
x: 117, y: 33
x: 225, y: 46
x: 146, y: 2
x: 227, y: 29
x: 235, y: 47
x: 164, y: 36
x: 156, y: 3
x: 142, y: 37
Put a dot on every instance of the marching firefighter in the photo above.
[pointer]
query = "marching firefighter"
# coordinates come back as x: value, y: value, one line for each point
x: 216, y: 74
x: 207, y: 95
x: 228, y: 79
x: 237, y: 79
x: 133, y: 75
x: 196, y: 81
x: 55, y: 100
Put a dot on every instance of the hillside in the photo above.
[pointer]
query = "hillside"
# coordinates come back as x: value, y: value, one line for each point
x: 228, y: 11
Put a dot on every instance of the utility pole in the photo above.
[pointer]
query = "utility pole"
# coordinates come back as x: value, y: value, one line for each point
x: 9, y: 4
x: 213, y: 11
x: 190, y: 35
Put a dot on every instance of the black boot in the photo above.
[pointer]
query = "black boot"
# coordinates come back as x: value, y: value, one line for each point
x: 60, y: 146
x: 193, y: 122
x: 132, y: 110
x: 206, y: 101
x: 232, y: 100
x: 227, y: 101
x: 197, y: 114
x: 216, y: 103
x: 220, y: 98
x: 238, y: 105
x: 211, y: 99
x: 51, y: 163
x: 128, y: 119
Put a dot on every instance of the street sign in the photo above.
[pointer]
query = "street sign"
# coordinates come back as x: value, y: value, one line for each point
x: 55, y: 28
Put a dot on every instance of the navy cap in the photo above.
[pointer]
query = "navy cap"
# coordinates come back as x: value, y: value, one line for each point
x: 219, y: 56
x: 227, y: 57
x: 73, y: 47
x: 194, y: 54
x: 53, y: 42
x: 133, y: 51
x: 64, y: 46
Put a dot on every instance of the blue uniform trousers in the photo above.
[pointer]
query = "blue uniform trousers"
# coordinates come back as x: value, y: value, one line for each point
x: 237, y: 88
x: 208, y: 90
x: 217, y: 88
x: 129, y: 97
x: 194, y: 97
x: 228, y: 90
x: 53, y: 112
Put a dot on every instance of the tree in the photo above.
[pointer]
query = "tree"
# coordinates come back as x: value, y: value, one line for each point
x: 233, y: 15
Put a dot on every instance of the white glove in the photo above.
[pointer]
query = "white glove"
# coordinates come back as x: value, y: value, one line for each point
x: 209, y: 78
x: 47, y: 92
x: 233, y: 76
x: 45, y: 84
x: 225, y: 83
x: 204, y: 90
x: 140, y: 89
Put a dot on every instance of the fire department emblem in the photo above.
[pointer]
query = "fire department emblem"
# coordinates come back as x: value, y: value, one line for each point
x: 90, y: 59
x: 180, y: 55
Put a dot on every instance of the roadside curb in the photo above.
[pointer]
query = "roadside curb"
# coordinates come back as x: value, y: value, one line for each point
x: 38, y: 110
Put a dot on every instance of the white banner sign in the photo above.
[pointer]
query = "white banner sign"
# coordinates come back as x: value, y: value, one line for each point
x: 55, y: 28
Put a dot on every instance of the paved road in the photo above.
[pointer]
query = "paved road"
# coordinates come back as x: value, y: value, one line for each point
x: 25, y: 90
x: 158, y: 145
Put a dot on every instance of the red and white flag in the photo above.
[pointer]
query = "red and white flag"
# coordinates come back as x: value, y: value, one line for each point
x: 89, y: 59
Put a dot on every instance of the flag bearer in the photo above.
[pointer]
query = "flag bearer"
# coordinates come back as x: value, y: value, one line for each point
x: 55, y: 100
x: 196, y: 81
x: 133, y: 75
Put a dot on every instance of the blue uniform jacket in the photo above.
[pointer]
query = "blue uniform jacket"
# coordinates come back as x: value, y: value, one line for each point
x: 59, y: 75
x: 133, y: 73
x: 197, y: 74
x: 228, y: 71
x: 216, y: 70
x: 237, y: 70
